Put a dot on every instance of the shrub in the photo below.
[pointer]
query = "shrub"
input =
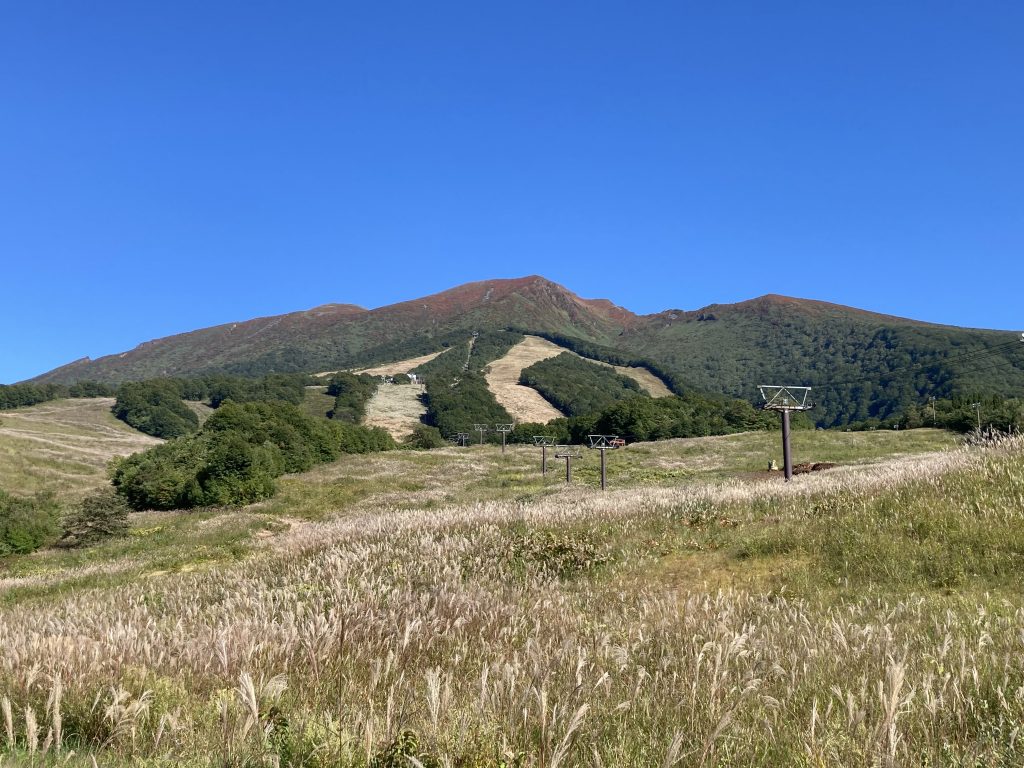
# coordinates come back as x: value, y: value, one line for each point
x: 237, y: 455
x: 102, y: 515
x: 26, y: 524
x: 425, y: 437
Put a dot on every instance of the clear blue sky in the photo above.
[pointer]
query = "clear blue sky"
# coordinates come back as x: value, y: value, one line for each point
x: 169, y: 166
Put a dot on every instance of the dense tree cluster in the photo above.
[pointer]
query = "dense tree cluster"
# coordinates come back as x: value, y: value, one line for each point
x: 236, y: 456
x: 155, y: 407
x: 21, y: 395
x: 455, y: 405
x: 645, y: 418
x: 576, y: 386
x: 351, y: 393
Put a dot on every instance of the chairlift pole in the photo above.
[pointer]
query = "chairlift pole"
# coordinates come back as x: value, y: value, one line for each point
x: 787, y: 453
x: 784, y: 400
x: 543, y: 441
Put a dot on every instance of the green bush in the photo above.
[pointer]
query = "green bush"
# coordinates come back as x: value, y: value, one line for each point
x: 26, y: 524
x: 102, y: 515
x: 236, y: 456
x: 425, y: 437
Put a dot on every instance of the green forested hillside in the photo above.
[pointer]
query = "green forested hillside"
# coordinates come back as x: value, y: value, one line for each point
x: 457, y: 394
x: 862, y: 365
x: 576, y: 386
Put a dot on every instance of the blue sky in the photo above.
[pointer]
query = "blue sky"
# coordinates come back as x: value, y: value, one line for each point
x: 169, y: 166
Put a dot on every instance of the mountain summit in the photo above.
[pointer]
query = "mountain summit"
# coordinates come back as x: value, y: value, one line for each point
x: 855, y: 359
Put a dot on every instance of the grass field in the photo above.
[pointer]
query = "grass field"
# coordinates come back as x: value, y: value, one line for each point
x: 63, y: 446
x: 456, y: 608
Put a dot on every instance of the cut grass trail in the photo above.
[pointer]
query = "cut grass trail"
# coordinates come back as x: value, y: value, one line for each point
x: 63, y: 446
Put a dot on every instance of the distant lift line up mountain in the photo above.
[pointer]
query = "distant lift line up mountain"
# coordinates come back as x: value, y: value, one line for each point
x: 860, y: 363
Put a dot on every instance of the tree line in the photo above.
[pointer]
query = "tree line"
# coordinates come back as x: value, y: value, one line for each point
x: 23, y: 395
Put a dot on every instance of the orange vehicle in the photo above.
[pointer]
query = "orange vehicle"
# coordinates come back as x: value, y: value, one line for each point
x: 617, y: 442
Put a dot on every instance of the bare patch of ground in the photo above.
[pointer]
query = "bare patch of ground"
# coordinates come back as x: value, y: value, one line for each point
x: 524, y: 403
x: 202, y: 410
x: 401, y: 366
x: 63, y: 445
x: 648, y: 382
x: 396, y: 408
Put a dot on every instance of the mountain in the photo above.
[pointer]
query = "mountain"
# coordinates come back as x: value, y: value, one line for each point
x: 341, y: 335
x: 861, y: 363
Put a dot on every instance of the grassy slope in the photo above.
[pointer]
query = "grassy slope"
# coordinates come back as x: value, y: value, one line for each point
x: 63, y: 446
x: 871, y: 613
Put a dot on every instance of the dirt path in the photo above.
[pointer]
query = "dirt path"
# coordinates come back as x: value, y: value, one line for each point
x: 396, y: 407
x: 402, y: 366
x: 524, y: 403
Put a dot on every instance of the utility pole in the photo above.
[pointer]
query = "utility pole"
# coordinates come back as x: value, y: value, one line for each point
x: 481, y: 428
x: 543, y: 441
x: 977, y: 407
x: 504, y: 429
x: 567, y: 452
x: 784, y: 400
x: 934, y: 420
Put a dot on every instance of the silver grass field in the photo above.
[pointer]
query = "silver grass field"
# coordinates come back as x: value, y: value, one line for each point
x: 863, y: 616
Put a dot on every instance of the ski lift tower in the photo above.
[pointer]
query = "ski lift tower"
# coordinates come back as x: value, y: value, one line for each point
x: 462, y: 438
x: 504, y: 429
x: 603, y: 443
x: 481, y: 428
x: 784, y: 400
x: 543, y: 442
x: 568, y: 452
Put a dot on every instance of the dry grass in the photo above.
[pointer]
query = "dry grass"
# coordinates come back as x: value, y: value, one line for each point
x: 650, y: 383
x: 402, y: 366
x: 569, y: 628
x: 523, y: 403
x: 395, y: 407
x: 63, y: 445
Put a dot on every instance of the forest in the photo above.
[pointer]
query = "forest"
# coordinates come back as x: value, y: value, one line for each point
x: 576, y: 386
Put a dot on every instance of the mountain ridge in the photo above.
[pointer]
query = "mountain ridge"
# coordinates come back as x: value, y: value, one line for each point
x: 720, y: 348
